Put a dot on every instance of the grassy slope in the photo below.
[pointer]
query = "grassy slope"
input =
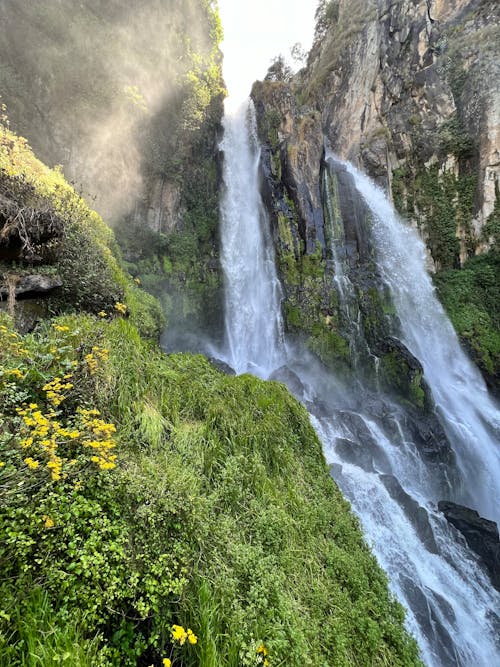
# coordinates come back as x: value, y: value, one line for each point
x: 218, y: 513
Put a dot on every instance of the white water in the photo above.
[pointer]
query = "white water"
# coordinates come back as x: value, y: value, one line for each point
x: 470, y: 418
x: 254, y: 332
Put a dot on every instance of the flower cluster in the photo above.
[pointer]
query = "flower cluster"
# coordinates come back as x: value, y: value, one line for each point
x: 180, y: 635
x: 102, y: 442
x: 263, y: 654
x: 55, y: 387
x: 94, y: 358
x: 10, y: 343
x: 44, y: 435
x: 120, y: 308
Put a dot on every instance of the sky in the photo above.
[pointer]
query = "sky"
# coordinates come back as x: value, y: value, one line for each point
x: 255, y: 31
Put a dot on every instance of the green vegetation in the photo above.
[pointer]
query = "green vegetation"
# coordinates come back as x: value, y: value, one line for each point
x: 443, y: 205
x: 81, y: 251
x: 471, y: 297
x: 219, y: 513
x: 152, y: 509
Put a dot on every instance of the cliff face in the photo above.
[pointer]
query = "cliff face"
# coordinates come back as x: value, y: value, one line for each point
x: 409, y: 92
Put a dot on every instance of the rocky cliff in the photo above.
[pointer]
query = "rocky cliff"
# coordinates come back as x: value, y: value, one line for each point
x: 409, y: 92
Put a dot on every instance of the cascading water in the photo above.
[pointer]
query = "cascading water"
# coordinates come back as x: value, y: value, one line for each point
x: 252, y: 290
x: 451, y: 604
x: 469, y: 416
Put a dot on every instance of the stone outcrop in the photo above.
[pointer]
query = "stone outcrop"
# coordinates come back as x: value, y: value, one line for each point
x: 409, y: 87
x: 480, y: 534
x: 31, y: 285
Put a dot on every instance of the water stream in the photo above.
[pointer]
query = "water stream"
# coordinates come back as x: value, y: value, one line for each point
x: 254, y: 331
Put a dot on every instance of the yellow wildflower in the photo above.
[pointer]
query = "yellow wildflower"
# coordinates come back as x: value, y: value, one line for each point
x: 2, y: 463
x: 179, y: 634
x: 192, y: 638
x: 31, y: 463
x: 102, y: 313
x: 48, y: 521
x: 120, y: 307
x: 58, y: 327
x: 262, y: 649
x: 167, y: 662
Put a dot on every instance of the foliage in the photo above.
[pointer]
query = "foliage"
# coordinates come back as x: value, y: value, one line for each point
x: 279, y: 70
x: 443, y: 204
x: 85, y: 256
x: 471, y: 297
x: 219, y: 516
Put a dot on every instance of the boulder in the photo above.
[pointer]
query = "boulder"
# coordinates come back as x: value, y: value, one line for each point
x: 480, y: 534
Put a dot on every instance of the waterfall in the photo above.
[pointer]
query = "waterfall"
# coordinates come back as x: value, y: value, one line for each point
x: 374, y: 451
x: 254, y: 329
x: 470, y: 418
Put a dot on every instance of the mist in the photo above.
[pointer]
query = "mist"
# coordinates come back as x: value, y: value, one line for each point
x: 109, y: 92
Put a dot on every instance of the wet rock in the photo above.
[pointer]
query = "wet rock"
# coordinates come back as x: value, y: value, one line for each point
x: 291, y: 379
x: 416, y: 513
x: 427, y: 607
x: 480, y: 534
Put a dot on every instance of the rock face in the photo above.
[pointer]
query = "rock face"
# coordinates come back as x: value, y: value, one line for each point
x: 480, y: 534
x: 409, y: 91
x: 32, y: 284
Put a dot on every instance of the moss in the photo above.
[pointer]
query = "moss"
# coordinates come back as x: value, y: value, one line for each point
x: 398, y: 377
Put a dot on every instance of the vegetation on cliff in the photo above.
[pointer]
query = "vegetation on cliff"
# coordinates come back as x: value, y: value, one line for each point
x: 153, y: 509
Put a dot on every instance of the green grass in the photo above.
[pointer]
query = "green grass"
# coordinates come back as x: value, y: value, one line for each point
x: 220, y: 516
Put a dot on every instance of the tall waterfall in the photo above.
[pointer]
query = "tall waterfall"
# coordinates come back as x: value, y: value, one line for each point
x: 468, y: 414
x: 374, y: 453
x: 252, y: 290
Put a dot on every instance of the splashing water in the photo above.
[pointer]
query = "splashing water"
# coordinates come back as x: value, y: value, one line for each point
x: 254, y: 330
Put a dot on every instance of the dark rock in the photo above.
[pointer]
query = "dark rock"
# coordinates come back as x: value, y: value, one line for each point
x: 480, y: 534
x: 416, y: 513
x: 291, y: 379
x: 425, y: 604
x: 222, y: 366
x: 33, y: 284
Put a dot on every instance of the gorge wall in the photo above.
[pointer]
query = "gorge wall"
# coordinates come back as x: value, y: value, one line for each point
x: 407, y: 91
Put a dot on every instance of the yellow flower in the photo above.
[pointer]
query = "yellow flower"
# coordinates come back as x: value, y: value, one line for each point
x: 2, y: 463
x: 31, y: 463
x: 120, y: 307
x: 192, y: 638
x: 48, y: 521
x: 102, y: 313
x: 262, y: 649
x: 137, y: 281
x: 179, y: 634
x: 166, y: 662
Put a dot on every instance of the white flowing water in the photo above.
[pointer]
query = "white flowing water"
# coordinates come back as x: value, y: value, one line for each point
x: 254, y: 332
x: 470, y: 418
